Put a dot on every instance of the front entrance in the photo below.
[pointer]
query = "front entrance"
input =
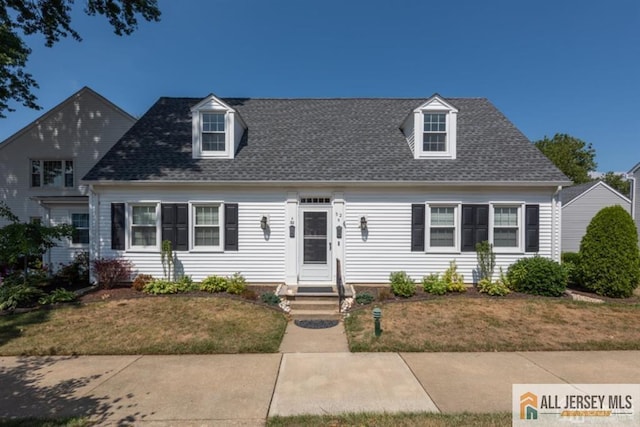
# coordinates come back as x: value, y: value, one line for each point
x: 315, y: 244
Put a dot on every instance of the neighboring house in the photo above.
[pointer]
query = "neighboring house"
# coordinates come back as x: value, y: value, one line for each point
x: 634, y: 175
x: 282, y: 189
x: 580, y: 203
x: 42, y: 164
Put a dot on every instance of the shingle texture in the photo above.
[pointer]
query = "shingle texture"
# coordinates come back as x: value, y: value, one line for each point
x: 569, y: 193
x: 345, y: 140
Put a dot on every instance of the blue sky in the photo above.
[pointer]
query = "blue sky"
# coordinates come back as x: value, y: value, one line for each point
x: 551, y: 66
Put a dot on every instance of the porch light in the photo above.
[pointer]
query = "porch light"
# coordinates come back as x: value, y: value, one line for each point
x: 363, y: 223
x: 264, y: 222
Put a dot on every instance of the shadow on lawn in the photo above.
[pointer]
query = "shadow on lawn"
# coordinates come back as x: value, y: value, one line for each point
x: 32, y: 388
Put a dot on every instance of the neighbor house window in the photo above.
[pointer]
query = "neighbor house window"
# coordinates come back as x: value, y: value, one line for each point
x: 80, y: 222
x: 435, y: 132
x: 52, y: 173
x: 143, y: 225
x: 213, y: 132
x: 506, y: 227
x: 206, y: 226
x: 442, y: 227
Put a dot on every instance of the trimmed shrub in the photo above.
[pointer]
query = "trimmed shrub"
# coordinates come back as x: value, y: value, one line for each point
x: 236, y: 284
x: 609, y: 256
x: 537, y: 276
x: 433, y: 284
x: 498, y: 288
x: 364, y: 298
x: 140, y: 281
x: 270, y: 298
x: 214, y: 284
x: 401, y: 284
x: 112, y: 271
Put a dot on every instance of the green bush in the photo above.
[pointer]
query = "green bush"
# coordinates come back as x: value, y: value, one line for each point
x: 58, y: 295
x: 433, y: 284
x: 401, y: 284
x: 112, y: 271
x: 14, y: 295
x: 571, y: 263
x: 214, y: 284
x: 74, y: 274
x: 499, y: 287
x: 236, y: 284
x: 453, y: 279
x: 364, y: 298
x: 486, y: 259
x: 270, y: 298
x: 537, y: 276
x: 609, y: 257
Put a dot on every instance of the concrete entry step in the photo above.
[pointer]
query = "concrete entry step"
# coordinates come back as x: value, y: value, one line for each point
x: 315, y: 314
x: 313, y: 304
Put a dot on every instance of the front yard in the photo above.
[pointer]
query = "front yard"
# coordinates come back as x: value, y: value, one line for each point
x: 149, y: 325
x: 488, y: 324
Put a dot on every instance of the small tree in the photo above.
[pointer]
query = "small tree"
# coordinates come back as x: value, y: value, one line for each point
x: 166, y: 257
x: 486, y: 260
x: 609, y: 255
x: 22, y: 242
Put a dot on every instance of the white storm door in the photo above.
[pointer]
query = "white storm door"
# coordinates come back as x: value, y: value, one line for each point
x: 315, y: 244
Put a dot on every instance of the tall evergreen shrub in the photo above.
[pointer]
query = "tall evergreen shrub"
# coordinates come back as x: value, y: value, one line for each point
x: 609, y: 255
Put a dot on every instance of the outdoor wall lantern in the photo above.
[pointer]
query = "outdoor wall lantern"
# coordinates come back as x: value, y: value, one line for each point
x: 264, y: 222
x: 363, y: 223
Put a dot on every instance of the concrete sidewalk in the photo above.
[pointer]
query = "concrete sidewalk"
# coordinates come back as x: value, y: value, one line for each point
x: 245, y: 389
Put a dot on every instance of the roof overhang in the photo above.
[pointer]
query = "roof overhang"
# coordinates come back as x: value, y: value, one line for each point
x: 510, y: 184
x: 61, y: 200
x: 634, y: 169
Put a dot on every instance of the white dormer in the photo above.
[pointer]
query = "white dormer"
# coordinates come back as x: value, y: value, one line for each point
x: 432, y: 130
x: 217, y: 129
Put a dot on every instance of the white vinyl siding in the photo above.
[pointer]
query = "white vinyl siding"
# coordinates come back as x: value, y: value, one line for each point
x: 261, y: 254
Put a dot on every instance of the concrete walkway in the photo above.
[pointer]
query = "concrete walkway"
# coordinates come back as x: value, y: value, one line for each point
x: 242, y: 390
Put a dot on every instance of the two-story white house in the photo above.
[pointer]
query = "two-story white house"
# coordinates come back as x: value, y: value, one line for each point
x: 41, y: 165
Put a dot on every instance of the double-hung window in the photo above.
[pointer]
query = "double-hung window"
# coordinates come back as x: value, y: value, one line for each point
x: 52, y: 173
x: 442, y: 227
x: 434, y: 137
x: 213, y: 132
x: 80, y: 223
x: 506, y: 227
x: 144, y: 225
x: 206, y: 226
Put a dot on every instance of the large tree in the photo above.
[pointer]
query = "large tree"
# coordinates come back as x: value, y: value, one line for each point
x: 574, y: 157
x: 618, y: 182
x: 51, y: 18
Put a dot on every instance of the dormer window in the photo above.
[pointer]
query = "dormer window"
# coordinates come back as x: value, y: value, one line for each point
x: 431, y: 130
x: 434, y: 137
x: 217, y: 129
x: 213, y: 132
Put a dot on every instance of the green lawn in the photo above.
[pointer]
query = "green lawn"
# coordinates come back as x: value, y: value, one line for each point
x: 153, y: 325
x: 393, y: 420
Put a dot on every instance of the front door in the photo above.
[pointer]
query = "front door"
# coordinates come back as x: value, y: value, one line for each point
x: 315, y: 244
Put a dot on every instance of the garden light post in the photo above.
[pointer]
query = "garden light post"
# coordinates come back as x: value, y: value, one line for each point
x: 377, y: 315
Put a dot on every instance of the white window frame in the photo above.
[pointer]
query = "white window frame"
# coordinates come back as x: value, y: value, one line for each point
x: 456, y: 227
x: 520, y: 234
x: 64, y: 163
x: 192, y: 226
x: 88, y: 228
x: 435, y: 132
x: 129, y: 227
x: 199, y: 152
x: 435, y: 105
x: 203, y: 132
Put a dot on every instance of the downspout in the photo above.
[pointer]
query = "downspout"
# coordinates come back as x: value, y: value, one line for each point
x: 556, y: 225
x: 94, y: 230
x: 47, y: 215
x: 633, y: 181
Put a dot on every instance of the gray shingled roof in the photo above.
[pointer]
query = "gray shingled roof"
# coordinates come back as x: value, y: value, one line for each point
x: 343, y: 140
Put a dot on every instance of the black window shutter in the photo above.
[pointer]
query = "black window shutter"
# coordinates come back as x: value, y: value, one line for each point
x: 417, y: 227
x: 231, y: 227
x: 175, y: 225
x: 117, y: 226
x: 475, y: 226
x: 532, y: 228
